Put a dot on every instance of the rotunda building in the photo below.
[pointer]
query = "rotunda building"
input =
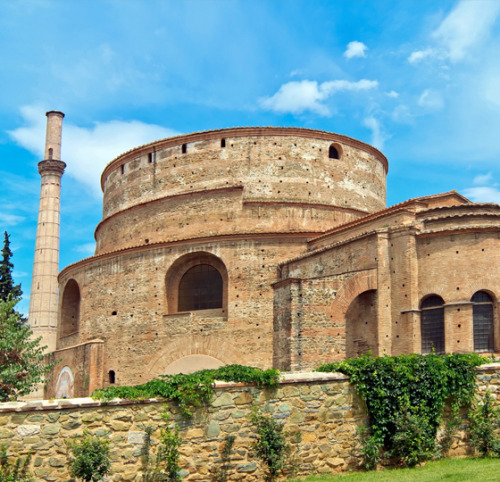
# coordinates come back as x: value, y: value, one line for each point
x: 270, y: 247
x: 193, y: 230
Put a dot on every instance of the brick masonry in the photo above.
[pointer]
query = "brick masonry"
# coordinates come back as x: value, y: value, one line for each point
x: 314, y: 267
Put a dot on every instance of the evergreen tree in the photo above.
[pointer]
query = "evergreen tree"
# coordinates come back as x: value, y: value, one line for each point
x: 7, y: 288
x: 23, y: 363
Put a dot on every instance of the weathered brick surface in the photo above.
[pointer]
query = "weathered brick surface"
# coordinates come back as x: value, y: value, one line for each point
x: 364, y: 282
x: 313, y: 268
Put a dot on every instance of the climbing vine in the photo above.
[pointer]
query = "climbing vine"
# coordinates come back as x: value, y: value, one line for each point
x: 405, y: 397
x: 190, y: 390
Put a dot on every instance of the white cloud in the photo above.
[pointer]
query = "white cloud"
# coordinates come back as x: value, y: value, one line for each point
x: 86, y: 150
x: 297, y: 97
x: 483, y: 179
x: 10, y: 219
x: 378, y: 135
x: 393, y: 94
x: 466, y: 26
x: 419, y: 55
x: 355, y: 49
x: 430, y: 99
x: 483, y: 194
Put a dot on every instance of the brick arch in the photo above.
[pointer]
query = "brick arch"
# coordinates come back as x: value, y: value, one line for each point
x: 350, y: 290
x: 213, y: 346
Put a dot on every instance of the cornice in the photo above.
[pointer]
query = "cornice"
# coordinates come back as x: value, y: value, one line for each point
x: 152, y: 202
x: 49, y: 166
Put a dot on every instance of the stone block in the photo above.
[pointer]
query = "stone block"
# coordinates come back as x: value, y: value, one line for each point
x: 136, y: 437
x: 27, y: 430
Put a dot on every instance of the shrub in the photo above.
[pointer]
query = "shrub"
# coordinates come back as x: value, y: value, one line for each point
x: 484, y: 422
x: 90, y: 459
x: 271, y: 445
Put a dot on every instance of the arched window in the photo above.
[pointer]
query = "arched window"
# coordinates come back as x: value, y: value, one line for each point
x: 112, y: 376
x: 432, y: 324
x: 200, y: 288
x: 70, y: 308
x: 333, y: 152
x: 482, y: 317
x: 196, y: 281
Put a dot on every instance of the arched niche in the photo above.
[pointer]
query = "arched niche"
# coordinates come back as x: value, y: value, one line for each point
x: 65, y: 383
x: 361, y: 324
x: 70, y: 309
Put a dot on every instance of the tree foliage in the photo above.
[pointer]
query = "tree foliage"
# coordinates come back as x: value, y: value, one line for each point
x: 165, y: 466
x: 271, y: 446
x: 8, y: 289
x: 90, y: 459
x: 22, y: 360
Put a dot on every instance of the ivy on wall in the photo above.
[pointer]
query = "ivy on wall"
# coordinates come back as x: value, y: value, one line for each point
x: 405, y: 397
x: 190, y: 390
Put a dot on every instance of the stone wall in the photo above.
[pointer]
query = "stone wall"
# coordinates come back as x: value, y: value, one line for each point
x: 322, y: 407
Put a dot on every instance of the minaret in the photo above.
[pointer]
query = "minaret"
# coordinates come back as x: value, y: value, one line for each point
x: 43, y: 299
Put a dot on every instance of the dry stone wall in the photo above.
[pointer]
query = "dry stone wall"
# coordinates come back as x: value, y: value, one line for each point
x: 324, y: 408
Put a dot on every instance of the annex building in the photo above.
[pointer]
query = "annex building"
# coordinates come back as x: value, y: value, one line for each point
x: 269, y: 247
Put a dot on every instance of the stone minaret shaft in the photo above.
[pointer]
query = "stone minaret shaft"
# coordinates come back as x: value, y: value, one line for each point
x: 43, y: 300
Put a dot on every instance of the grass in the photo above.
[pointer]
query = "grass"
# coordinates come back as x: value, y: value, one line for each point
x: 446, y: 469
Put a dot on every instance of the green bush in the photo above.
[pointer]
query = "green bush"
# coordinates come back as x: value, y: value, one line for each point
x: 371, y: 448
x: 414, y: 439
x: 16, y: 471
x: 271, y: 445
x: 484, y: 421
x: 90, y: 459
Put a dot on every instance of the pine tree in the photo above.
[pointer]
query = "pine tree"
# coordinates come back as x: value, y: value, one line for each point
x: 22, y: 360
x: 7, y: 288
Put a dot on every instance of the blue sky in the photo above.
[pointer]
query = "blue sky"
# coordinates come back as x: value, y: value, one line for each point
x: 420, y: 80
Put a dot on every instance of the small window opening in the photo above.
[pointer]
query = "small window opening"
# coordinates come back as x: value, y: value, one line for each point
x: 112, y: 376
x: 184, y: 148
x: 51, y: 152
x: 114, y: 313
x: 150, y: 157
x: 223, y: 142
x: 333, y: 152
x: 123, y: 168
